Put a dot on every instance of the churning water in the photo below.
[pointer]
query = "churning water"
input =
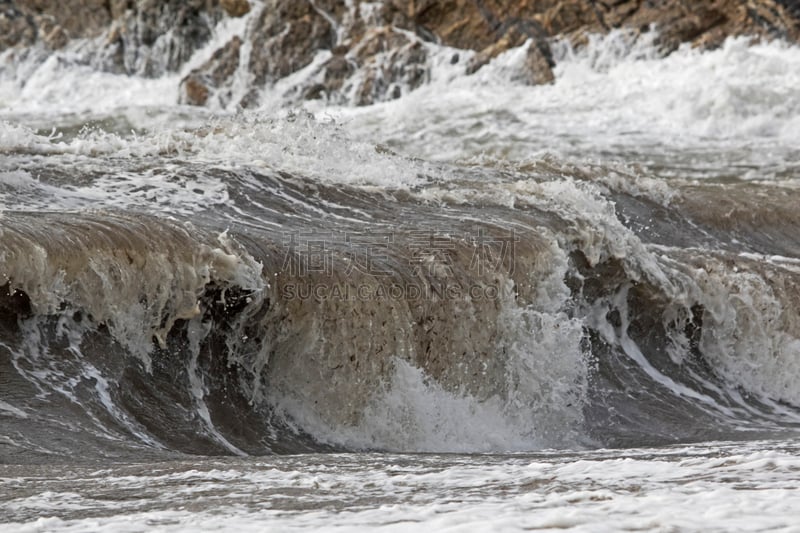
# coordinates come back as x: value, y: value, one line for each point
x: 480, y: 305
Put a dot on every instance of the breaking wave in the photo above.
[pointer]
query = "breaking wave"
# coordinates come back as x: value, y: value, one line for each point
x: 526, y: 268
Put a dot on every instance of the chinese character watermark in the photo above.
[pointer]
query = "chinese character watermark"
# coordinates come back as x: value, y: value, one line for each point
x: 432, y: 256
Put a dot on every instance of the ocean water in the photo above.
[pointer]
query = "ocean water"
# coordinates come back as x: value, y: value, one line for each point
x: 481, y: 305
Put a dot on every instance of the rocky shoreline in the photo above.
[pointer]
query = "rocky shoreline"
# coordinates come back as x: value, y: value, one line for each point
x: 374, y: 50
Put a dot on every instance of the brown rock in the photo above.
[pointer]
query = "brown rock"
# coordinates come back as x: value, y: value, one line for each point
x: 378, y: 41
x: 458, y: 23
x: 483, y: 25
x: 194, y: 91
x: 538, y: 58
x: 214, y: 74
x: 235, y: 8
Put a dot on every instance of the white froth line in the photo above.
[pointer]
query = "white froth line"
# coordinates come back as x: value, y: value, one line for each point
x: 15, y: 411
x: 772, y: 259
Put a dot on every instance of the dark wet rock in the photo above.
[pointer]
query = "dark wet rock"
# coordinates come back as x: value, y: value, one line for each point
x: 286, y: 39
x: 391, y: 62
x: 16, y: 27
x: 382, y: 52
x: 77, y: 18
x: 336, y: 70
x: 144, y: 37
x: 329, y: 80
x: 538, y: 67
x: 481, y: 24
x: 287, y: 35
x: 212, y: 76
x: 703, y: 24
x: 383, y: 65
x: 152, y: 37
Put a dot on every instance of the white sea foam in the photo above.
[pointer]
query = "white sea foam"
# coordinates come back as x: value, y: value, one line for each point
x: 291, y: 142
x: 612, y: 98
x: 752, y: 336
x: 716, y: 487
x: 733, y: 107
x: 9, y: 410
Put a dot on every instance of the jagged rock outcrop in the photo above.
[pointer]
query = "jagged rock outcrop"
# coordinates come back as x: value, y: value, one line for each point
x: 366, y: 64
x: 363, y: 52
x: 377, y: 49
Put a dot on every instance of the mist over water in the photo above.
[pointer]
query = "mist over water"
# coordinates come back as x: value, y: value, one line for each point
x: 477, y: 266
